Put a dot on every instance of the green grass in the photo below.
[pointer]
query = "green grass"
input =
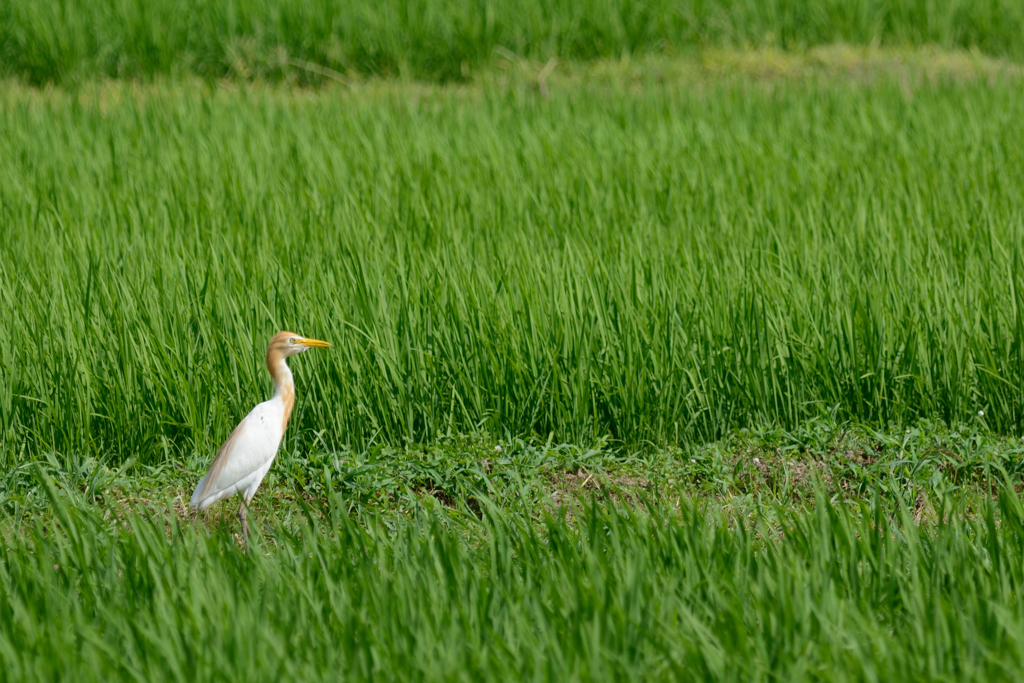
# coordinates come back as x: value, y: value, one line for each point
x: 679, y: 592
x: 656, y: 262
x: 644, y: 370
x: 73, y: 40
x: 916, y: 467
x: 831, y: 552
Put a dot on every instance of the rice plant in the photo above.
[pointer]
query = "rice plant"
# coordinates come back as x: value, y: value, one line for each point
x: 661, y: 266
x: 680, y: 592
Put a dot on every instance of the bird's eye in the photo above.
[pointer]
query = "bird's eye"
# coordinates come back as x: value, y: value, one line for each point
x: 292, y: 340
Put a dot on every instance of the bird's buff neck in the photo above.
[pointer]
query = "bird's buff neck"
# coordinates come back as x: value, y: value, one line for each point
x: 284, y: 384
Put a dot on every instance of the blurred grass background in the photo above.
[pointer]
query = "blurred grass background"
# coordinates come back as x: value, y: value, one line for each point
x: 67, y: 41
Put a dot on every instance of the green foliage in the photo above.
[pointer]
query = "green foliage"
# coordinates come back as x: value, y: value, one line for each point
x: 70, y: 40
x: 589, y: 592
x: 659, y: 266
x: 914, y: 467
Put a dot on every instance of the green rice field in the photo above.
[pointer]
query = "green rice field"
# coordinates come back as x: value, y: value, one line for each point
x: 687, y: 593
x: 673, y: 341
x: 655, y: 265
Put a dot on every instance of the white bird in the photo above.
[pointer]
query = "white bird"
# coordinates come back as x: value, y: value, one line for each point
x: 246, y: 457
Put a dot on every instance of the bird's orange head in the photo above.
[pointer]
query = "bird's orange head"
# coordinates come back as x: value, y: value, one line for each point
x: 286, y: 344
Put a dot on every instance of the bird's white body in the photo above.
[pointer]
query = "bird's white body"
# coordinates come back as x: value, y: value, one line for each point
x: 246, y: 457
x: 250, y: 452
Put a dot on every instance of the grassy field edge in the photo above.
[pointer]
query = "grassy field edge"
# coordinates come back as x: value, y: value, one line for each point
x: 67, y: 41
x: 838, y: 63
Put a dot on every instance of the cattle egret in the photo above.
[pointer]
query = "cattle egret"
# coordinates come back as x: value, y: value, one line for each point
x: 247, y: 455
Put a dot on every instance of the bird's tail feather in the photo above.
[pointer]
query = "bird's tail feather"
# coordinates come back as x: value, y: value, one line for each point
x: 196, y: 500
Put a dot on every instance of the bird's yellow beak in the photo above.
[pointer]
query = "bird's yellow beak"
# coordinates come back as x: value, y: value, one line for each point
x: 313, y: 343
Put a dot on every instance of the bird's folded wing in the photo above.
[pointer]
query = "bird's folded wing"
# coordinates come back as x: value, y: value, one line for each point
x: 252, y: 444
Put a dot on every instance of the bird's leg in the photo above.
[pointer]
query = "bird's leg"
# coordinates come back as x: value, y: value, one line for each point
x: 245, y: 521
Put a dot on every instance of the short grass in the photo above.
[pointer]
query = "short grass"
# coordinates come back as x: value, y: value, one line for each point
x: 915, y: 467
